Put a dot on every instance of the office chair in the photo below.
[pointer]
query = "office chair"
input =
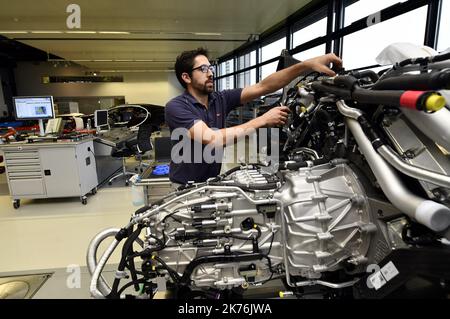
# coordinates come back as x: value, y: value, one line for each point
x: 134, y: 145
x: 144, y: 144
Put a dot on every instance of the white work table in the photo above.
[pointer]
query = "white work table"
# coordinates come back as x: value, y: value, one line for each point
x: 64, y: 168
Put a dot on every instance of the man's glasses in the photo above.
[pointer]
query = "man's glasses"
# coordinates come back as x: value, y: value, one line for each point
x: 204, y: 68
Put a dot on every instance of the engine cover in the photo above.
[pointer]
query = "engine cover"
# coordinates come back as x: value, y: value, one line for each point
x: 327, y: 220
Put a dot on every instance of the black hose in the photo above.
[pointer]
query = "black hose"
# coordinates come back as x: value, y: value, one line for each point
x: 172, y: 273
x: 131, y: 283
x: 346, y: 81
x: 366, y: 73
x: 142, y: 209
x: 326, y: 88
x: 424, y: 60
x: 127, y: 249
x: 131, y: 266
x: 423, y: 82
x: 323, y: 116
x: 441, y: 57
x: 391, y: 98
x: 225, y: 174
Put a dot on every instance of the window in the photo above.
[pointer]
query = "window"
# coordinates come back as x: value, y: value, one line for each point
x: 310, y: 53
x: 268, y: 52
x: 444, y: 27
x: 361, y: 48
x: 364, y: 8
x: 273, y: 49
x: 226, y: 83
x: 310, y: 32
x: 248, y: 77
x: 226, y: 67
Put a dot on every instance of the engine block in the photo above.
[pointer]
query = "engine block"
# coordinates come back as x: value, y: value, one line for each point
x: 318, y: 221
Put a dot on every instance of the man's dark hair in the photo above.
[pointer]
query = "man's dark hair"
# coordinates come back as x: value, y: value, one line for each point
x: 185, y: 63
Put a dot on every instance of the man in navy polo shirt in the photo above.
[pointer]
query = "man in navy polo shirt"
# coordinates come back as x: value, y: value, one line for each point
x: 201, y: 112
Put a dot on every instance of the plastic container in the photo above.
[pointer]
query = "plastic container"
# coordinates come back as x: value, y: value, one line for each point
x: 137, y: 192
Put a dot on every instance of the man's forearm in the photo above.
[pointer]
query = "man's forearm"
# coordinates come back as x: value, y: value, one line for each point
x: 279, y: 79
x: 229, y: 135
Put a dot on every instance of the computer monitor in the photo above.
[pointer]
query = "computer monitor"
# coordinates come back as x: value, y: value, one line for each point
x: 100, y: 118
x: 163, y: 149
x: 34, y: 108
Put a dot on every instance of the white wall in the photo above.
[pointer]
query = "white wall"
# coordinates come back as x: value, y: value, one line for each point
x: 154, y: 88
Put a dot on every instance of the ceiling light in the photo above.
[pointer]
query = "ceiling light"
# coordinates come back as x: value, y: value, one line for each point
x: 81, y: 32
x: 207, y: 33
x: 13, y: 32
x: 113, y: 32
x: 46, y: 32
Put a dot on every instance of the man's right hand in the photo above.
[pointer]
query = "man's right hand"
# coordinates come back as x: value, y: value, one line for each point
x: 276, y: 116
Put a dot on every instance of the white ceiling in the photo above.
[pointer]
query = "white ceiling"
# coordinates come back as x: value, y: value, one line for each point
x: 158, y: 30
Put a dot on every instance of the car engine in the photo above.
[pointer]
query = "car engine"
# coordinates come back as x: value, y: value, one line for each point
x: 362, y: 182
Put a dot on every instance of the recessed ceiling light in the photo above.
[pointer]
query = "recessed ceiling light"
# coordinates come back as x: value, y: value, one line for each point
x: 45, y: 32
x: 81, y: 32
x: 113, y: 32
x: 13, y: 32
x: 207, y: 33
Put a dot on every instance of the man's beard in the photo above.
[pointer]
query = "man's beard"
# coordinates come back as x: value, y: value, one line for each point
x: 206, y: 88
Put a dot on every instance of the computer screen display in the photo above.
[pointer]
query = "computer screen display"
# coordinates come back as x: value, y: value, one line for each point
x: 101, y: 118
x: 163, y: 149
x: 33, y: 107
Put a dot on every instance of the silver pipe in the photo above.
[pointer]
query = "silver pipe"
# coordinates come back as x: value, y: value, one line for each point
x: 417, y: 172
x: 326, y: 283
x: 98, y: 270
x: 429, y: 213
x: 348, y: 111
x: 91, y: 257
x: 309, y: 151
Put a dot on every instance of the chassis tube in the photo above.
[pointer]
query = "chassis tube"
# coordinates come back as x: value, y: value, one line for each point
x: 429, y: 213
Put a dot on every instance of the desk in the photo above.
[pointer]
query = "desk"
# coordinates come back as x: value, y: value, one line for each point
x: 116, y: 136
x: 50, y: 169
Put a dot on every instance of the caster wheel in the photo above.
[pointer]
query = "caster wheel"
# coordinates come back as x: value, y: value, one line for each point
x: 84, y: 201
x: 94, y: 191
x: 109, y: 183
x: 16, y: 204
x: 127, y: 183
